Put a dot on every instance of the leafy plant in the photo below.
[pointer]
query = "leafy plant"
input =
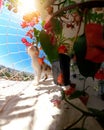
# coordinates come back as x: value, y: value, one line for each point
x: 69, y: 14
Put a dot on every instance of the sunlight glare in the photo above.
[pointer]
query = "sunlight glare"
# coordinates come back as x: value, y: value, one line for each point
x: 26, y: 6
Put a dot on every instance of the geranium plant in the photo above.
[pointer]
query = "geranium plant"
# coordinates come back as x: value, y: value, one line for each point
x: 56, y: 15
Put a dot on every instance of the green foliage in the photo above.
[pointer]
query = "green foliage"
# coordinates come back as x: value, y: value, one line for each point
x: 76, y: 94
x: 36, y: 35
x: 50, y: 50
x: 57, y: 26
x: 7, y: 74
x: 80, y: 47
x: 98, y: 113
x: 86, y: 67
x: 95, y: 17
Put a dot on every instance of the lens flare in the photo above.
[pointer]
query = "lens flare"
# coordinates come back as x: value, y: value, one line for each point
x: 26, y: 6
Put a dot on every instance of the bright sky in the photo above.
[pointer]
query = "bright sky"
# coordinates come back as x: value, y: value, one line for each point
x: 12, y: 51
x: 25, y: 6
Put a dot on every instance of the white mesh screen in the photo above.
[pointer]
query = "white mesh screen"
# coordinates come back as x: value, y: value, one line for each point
x: 14, y: 61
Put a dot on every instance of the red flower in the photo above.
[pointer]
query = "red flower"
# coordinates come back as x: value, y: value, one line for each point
x: 70, y: 91
x: 32, y: 23
x: 53, y: 40
x: 62, y: 49
x: 100, y: 74
x: 60, y: 79
x: 24, y: 24
x: 48, y: 27
x: 23, y: 40
x: 29, y: 34
x: 27, y: 44
x: 31, y: 31
x: 1, y: 3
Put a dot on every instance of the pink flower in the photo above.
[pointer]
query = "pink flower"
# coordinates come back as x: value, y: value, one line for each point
x: 32, y: 23
x: 1, y: 2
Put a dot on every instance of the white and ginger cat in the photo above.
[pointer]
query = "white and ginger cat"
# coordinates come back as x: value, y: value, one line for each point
x: 40, y: 69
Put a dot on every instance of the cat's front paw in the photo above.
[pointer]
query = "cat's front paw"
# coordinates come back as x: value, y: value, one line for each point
x: 35, y: 83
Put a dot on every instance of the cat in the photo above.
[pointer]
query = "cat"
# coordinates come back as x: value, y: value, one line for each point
x: 40, y: 69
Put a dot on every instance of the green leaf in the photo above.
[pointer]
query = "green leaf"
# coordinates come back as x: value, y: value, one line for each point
x: 80, y: 46
x: 50, y: 50
x: 87, y: 68
x: 71, y: 2
x: 97, y: 113
x: 36, y: 34
x: 63, y: 95
x: 57, y: 26
x: 76, y: 94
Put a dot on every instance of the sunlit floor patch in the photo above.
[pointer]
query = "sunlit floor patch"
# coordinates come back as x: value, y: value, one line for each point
x: 24, y: 106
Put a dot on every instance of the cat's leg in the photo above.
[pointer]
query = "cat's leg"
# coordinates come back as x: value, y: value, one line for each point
x: 37, y: 76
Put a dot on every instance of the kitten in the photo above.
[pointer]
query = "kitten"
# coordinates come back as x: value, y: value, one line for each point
x: 40, y: 69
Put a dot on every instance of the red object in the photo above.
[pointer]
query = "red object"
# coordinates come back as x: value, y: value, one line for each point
x: 25, y: 42
x: 70, y: 91
x: 62, y: 49
x: 60, y: 79
x: 29, y: 34
x: 48, y: 27
x: 28, y: 44
x: 100, y: 74
x: 1, y: 2
x: 32, y: 23
x: 41, y: 60
x: 24, y: 24
x: 53, y: 40
x: 95, y: 42
x: 84, y: 99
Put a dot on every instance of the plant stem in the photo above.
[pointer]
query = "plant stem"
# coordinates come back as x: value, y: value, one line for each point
x: 74, y: 122
x: 83, y: 5
x: 79, y: 109
x: 84, y: 121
